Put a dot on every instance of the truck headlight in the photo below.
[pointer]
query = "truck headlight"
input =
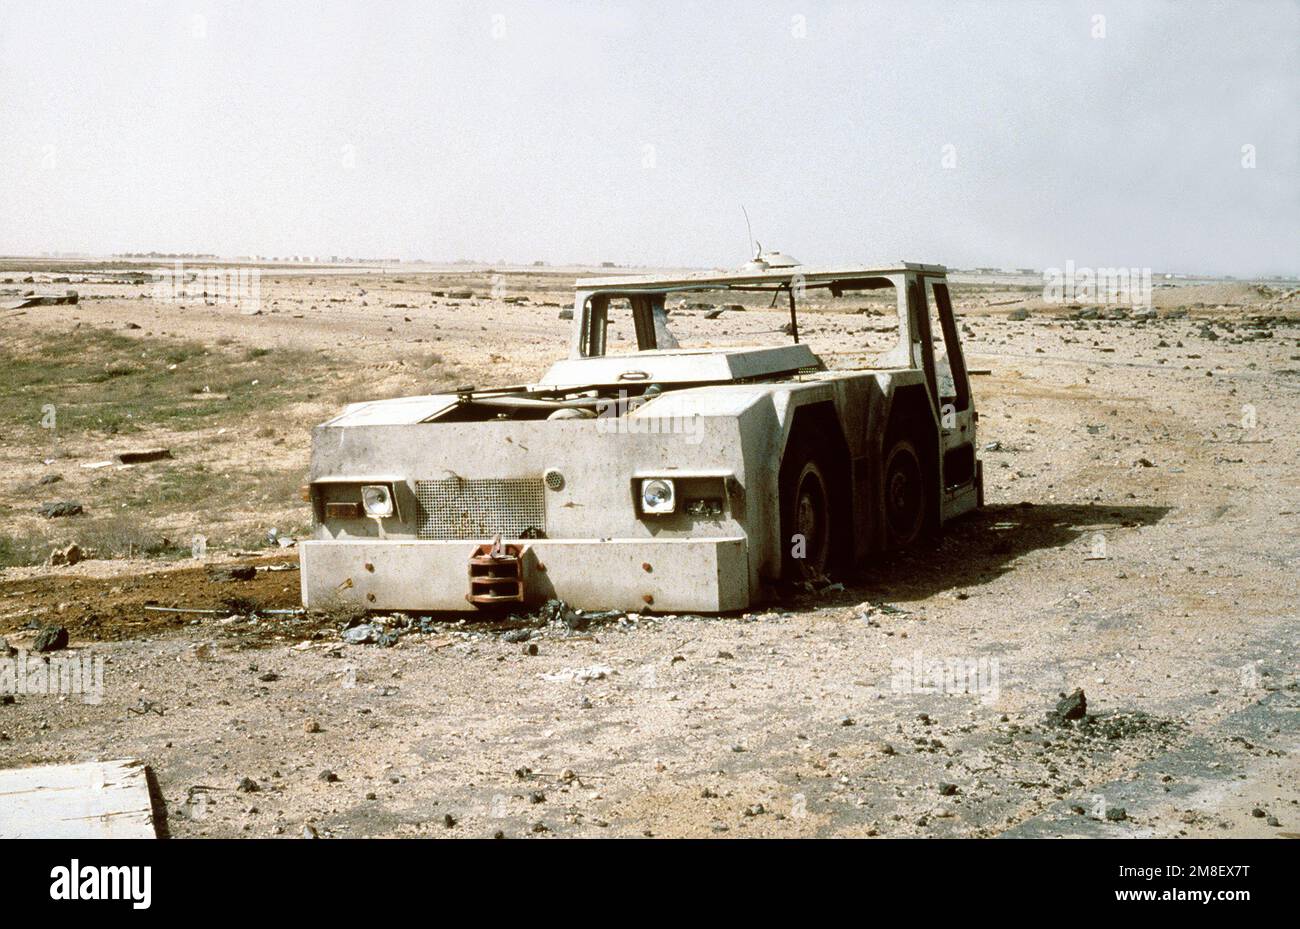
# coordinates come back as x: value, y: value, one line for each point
x: 377, y: 500
x: 658, y: 495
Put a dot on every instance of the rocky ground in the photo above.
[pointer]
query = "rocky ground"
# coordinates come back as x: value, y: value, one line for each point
x: 1140, y: 544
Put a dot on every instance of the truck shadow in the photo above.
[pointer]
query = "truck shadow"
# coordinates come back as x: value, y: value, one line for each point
x: 986, y: 544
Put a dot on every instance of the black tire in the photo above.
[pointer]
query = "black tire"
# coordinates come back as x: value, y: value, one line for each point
x: 906, y: 495
x: 806, y: 510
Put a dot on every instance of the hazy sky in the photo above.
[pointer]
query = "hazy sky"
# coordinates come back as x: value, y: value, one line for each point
x: 633, y: 131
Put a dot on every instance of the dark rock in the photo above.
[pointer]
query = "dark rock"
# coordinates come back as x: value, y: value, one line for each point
x: 248, y: 786
x: 1116, y: 814
x: 241, y: 572
x: 50, y: 479
x: 51, y: 639
x: 329, y: 777
x: 947, y: 790
x: 517, y: 635
x: 268, y: 677
x: 1073, y: 706
x: 143, y: 456
x: 61, y: 508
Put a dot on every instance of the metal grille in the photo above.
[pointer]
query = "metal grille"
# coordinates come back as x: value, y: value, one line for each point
x: 479, y: 509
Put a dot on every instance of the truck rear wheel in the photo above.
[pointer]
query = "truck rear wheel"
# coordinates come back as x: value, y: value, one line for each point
x: 805, y: 517
x: 905, y: 495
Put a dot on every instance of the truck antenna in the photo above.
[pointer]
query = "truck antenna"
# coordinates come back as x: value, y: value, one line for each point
x: 748, y: 229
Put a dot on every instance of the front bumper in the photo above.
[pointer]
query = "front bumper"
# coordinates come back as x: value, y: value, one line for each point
x: 699, y: 575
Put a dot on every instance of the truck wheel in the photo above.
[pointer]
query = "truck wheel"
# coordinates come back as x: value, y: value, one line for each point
x: 805, y: 517
x: 905, y: 495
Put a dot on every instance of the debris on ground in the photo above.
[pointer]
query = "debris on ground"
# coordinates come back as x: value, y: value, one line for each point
x: 64, y: 556
x: 51, y: 639
x: 579, y: 675
x: 142, y: 456
x: 61, y: 508
x: 69, y: 297
x: 231, y: 573
x: 1071, y: 706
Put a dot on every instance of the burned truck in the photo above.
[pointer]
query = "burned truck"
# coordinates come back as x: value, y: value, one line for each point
x: 663, y: 477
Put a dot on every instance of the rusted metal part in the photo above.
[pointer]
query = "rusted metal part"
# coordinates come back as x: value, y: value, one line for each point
x: 496, y: 574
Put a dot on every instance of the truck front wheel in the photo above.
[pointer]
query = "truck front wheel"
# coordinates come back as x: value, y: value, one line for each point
x: 905, y: 495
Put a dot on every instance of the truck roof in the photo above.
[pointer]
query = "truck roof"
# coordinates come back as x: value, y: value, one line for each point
x: 749, y: 277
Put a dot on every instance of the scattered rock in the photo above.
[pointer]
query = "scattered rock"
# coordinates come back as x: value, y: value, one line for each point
x: 61, y: 508
x: 51, y: 639
x: 230, y: 573
x: 947, y: 790
x: 328, y: 776
x: 248, y: 786
x: 1072, y: 706
x: 65, y: 556
x: 140, y: 456
x: 1116, y: 814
